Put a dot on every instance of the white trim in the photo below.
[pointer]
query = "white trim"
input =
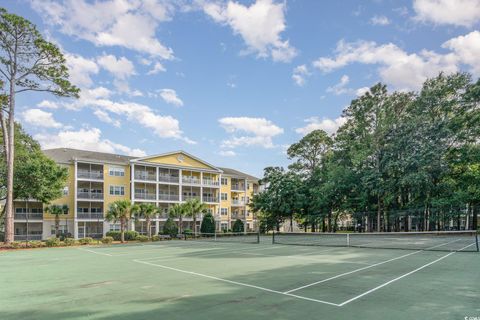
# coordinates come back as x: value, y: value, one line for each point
x: 175, y: 152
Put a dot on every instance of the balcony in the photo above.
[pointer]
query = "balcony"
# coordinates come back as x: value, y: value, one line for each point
x: 190, y: 180
x: 90, y: 215
x: 236, y: 202
x: 145, y: 196
x: 28, y: 216
x: 168, y: 197
x: 89, y: 174
x: 29, y: 237
x: 210, y: 182
x: 185, y: 198
x: 168, y: 178
x: 210, y: 199
x: 238, y: 187
x: 145, y: 176
x: 90, y: 195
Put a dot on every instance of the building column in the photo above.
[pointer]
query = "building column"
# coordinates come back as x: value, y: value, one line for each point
x: 75, y: 191
x: 245, y: 207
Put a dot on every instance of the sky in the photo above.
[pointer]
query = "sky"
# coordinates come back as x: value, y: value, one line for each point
x: 233, y: 82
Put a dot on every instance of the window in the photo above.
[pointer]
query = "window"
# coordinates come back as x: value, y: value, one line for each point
x: 114, y: 227
x: 116, y: 171
x: 224, y: 211
x: 65, y: 191
x: 224, y: 181
x: 20, y: 210
x: 248, y: 186
x: 62, y: 229
x: 224, y: 226
x: 117, y: 190
x: 224, y: 196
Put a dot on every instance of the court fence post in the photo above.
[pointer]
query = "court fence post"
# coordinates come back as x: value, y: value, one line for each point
x: 476, y: 240
x: 348, y: 239
x: 273, y: 236
x: 215, y: 236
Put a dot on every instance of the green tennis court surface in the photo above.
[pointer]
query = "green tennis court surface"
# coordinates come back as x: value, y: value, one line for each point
x: 206, y: 280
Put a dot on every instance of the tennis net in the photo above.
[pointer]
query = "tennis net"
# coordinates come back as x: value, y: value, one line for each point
x: 239, y: 237
x: 430, y: 241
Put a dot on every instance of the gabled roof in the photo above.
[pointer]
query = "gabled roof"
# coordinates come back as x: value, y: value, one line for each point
x: 67, y: 155
x: 236, y: 173
x: 145, y: 159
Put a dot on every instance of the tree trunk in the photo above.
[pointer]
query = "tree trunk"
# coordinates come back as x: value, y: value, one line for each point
x: 195, y: 225
x: 329, y: 221
x: 180, y: 222
x: 149, y: 229
x: 122, y: 230
x: 379, y: 215
x: 57, y: 225
x: 10, y: 161
x: 291, y: 223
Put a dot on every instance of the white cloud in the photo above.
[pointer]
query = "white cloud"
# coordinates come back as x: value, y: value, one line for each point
x: 260, y: 25
x: 328, y: 125
x: 227, y: 153
x: 300, y: 73
x: 361, y: 91
x: 121, y: 68
x: 259, y: 132
x: 340, y: 88
x: 85, y: 139
x: 81, y: 69
x: 157, y: 67
x: 464, y: 13
x: 397, y: 67
x: 46, y: 104
x: 105, y: 117
x: 129, y: 24
x: 170, y: 96
x: 379, y: 21
x: 40, y: 118
x: 467, y: 49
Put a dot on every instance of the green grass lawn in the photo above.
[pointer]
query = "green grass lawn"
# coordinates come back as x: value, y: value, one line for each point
x: 204, y: 280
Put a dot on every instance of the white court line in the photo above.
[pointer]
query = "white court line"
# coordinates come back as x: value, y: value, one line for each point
x: 235, y: 282
x: 402, y: 276
x: 100, y: 253
x: 364, y: 268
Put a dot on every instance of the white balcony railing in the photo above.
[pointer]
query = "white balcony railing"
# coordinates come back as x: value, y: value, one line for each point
x: 209, y: 182
x: 89, y: 195
x: 145, y: 196
x: 87, y: 174
x: 23, y: 237
x: 240, y: 187
x: 168, y: 178
x: 185, y: 198
x: 90, y: 215
x: 190, y: 180
x: 146, y: 176
x: 210, y: 199
x: 168, y: 197
x: 28, y: 216
x: 238, y: 202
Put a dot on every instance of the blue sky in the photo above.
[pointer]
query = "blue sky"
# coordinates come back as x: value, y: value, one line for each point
x: 231, y: 82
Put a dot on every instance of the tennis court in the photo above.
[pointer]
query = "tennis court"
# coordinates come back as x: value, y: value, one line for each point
x: 204, y: 279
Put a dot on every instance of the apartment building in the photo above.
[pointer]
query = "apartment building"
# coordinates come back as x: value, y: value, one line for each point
x: 97, y: 179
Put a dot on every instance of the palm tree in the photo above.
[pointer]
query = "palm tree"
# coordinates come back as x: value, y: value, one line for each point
x: 193, y: 208
x: 120, y: 210
x: 178, y: 211
x: 57, y: 210
x: 147, y: 211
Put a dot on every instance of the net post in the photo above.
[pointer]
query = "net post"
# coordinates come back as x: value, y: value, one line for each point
x: 476, y: 240
x: 348, y: 239
x: 258, y: 236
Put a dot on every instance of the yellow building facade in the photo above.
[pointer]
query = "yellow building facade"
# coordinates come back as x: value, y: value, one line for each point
x: 97, y: 179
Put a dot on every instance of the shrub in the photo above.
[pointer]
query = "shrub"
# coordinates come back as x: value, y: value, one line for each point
x: 170, y: 228
x: 69, y: 241
x: 36, y: 244
x: 52, y: 242
x: 114, y: 234
x: 131, y: 235
x: 237, y: 226
x: 17, y: 244
x: 86, y: 240
x: 208, y: 224
x: 156, y: 238
x: 142, y: 238
x: 187, y: 231
x: 107, y: 240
